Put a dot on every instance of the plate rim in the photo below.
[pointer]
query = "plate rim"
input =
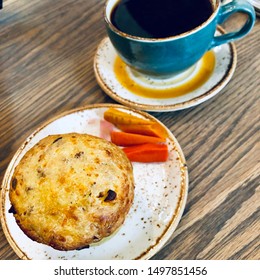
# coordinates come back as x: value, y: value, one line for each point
x: 175, y: 106
x: 176, y: 217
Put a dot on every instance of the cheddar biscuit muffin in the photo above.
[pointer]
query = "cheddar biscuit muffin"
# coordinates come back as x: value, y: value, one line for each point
x: 71, y: 190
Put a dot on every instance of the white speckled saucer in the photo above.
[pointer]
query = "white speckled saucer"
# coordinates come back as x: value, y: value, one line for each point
x: 225, y: 63
x: 160, y: 196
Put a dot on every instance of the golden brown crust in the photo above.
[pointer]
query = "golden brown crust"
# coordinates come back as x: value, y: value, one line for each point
x: 71, y: 190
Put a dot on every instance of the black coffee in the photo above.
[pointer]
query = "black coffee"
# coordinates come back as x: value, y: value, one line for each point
x: 159, y: 18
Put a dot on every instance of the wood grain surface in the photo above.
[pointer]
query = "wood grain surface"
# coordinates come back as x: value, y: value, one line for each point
x: 46, y: 67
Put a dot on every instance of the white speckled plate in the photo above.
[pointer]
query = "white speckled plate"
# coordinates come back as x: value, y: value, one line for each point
x: 256, y: 5
x: 160, y: 196
x: 225, y: 63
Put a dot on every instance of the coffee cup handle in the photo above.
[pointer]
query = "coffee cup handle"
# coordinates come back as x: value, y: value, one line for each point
x: 225, y: 12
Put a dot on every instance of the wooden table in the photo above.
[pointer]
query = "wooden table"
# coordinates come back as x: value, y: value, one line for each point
x: 46, y: 68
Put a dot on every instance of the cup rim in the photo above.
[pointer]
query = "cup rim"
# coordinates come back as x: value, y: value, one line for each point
x: 144, y: 39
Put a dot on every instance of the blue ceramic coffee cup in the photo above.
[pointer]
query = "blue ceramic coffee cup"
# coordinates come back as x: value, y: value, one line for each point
x: 172, y: 55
